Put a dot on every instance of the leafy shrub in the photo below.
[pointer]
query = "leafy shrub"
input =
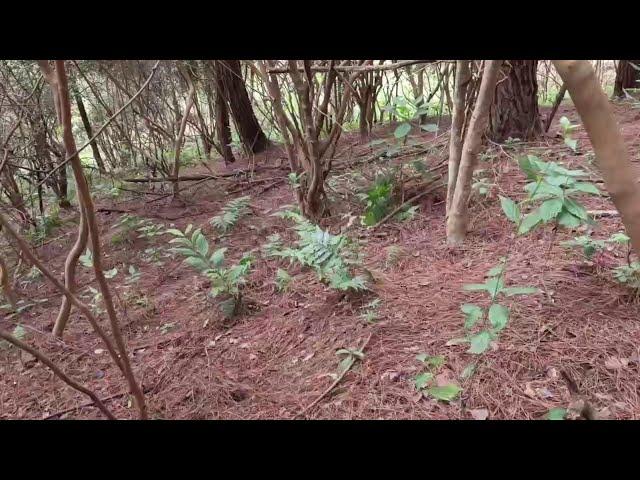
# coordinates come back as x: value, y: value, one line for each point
x: 231, y: 213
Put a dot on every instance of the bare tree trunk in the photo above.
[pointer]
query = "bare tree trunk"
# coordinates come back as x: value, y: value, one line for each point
x: 612, y: 156
x: 84, y: 196
x: 179, y: 140
x: 514, y: 112
x: 87, y: 127
x: 626, y: 77
x: 223, y: 128
x: 458, y: 219
x: 463, y: 77
x: 235, y: 92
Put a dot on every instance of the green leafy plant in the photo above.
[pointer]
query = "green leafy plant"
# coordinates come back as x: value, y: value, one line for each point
x: 231, y: 213
x: 226, y: 282
x: 495, y: 317
x: 370, y: 311
x: 379, y: 199
x: 408, y: 113
x: 425, y: 382
x: 556, y: 189
x: 330, y: 256
x: 567, y: 129
x: 589, y: 245
x: 283, y: 280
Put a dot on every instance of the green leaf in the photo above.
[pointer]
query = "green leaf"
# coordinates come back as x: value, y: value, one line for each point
x: 620, y: 238
x: 567, y: 220
x: 586, y: 187
x: 445, y: 393
x: 510, y: 209
x: 528, y: 166
x: 529, y: 222
x: 422, y: 379
x: 497, y: 270
x: 510, y: 291
x: 201, y: 244
x: 402, y: 130
x: 473, y: 313
x: 422, y: 357
x: 429, y: 127
x: 217, y: 258
x: 495, y: 286
x: 571, y: 143
x: 498, y: 316
x: 479, y: 343
x: 19, y: 332
x: 197, y: 263
x: 188, y: 229
x: 557, y: 414
x: 174, y: 231
x: 111, y: 273
x: 550, y: 209
x: 576, y: 209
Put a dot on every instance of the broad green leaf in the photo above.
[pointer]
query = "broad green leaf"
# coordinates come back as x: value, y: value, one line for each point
x: 479, y: 343
x: 528, y: 166
x: 422, y: 379
x: 510, y: 291
x: 473, y: 313
x: 498, y: 316
x: 510, y: 209
x: 422, y: 357
x: 495, y: 286
x: 445, y: 393
x: 497, y: 270
x: 174, y: 231
x: 586, y: 187
x: 201, y: 244
x: 429, y: 127
x: 557, y: 414
x: 571, y: 143
x: 576, y: 209
x: 542, y: 190
x: 110, y: 273
x: 197, y: 263
x: 529, y: 222
x: 550, y: 209
x: 620, y: 238
x: 567, y: 220
x: 402, y: 130
x: 217, y: 258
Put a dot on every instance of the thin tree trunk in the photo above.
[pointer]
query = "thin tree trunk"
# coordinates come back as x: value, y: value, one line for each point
x: 556, y: 104
x: 87, y: 127
x: 223, y: 128
x: 612, y: 156
x: 463, y: 77
x: 457, y: 222
x: 178, y: 144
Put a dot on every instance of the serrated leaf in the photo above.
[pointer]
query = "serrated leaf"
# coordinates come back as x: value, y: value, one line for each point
x: 568, y: 220
x: 479, y: 343
x: 586, y: 187
x: 422, y: 380
x: 550, y: 209
x: 529, y: 222
x: 576, y: 209
x: 510, y: 209
x: 473, y: 313
x: 445, y: 393
x: 402, y: 130
x: 498, y: 316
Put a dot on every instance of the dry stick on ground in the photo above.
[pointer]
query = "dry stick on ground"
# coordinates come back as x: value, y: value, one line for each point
x: 105, y: 125
x: 333, y: 385
x: 63, y: 376
x: 84, y: 196
x: 457, y: 221
x: 556, y: 104
x: 620, y: 175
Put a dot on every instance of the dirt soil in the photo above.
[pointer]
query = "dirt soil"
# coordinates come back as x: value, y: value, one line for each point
x: 279, y: 355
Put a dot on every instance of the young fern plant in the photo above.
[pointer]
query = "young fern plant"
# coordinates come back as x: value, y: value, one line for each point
x: 231, y: 214
x: 226, y: 282
x: 330, y: 256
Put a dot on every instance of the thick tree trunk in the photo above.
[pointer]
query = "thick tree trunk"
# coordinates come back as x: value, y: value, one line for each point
x: 458, y: 217
x: 612, y: 156
x: 514, y: 112
x: 235, y: 92
x: 223, y: 129
x: 87, y: 127
x: 626, y: 77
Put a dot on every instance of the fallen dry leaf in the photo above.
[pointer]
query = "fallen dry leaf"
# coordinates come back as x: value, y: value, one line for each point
x: 479, y: 413
x: 615, y: 363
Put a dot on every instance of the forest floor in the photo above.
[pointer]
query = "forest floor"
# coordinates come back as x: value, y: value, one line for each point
x: 279, y: 355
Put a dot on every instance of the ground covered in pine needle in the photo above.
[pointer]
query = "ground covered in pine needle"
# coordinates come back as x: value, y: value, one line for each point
x: 278, y: 358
